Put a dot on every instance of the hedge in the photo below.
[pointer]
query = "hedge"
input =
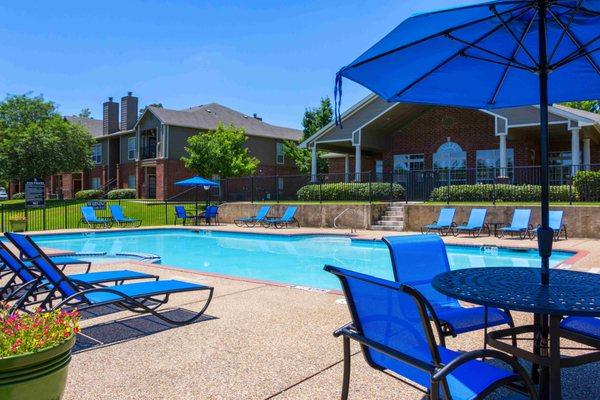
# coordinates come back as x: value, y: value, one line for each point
x: 504, y: 192
x: 18, y: 196
x: 89, y: 194
x: 121, y: 194
x: 587, y: 184
x: 349, y: 191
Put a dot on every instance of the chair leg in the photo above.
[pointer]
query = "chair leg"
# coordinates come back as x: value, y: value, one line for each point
x: 347, y: 360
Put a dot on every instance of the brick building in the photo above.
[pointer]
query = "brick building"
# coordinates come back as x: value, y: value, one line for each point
x: 477, y: 146
x: 145, y: 153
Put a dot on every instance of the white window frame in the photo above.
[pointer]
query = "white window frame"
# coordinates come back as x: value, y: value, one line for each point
x: 131, y: 140
x: 97, y: 153
x: 279, y: 153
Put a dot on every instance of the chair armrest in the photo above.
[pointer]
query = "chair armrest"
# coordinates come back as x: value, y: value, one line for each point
x: 473, y: 355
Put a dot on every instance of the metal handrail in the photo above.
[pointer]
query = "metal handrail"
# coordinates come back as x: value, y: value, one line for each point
x: 349, y: 209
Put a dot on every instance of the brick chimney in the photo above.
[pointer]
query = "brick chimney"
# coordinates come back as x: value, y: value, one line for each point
x: 129, y: 111
x: 110, y: 117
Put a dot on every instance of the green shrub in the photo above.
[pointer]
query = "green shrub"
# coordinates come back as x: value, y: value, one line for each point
x: 587, y: 184
x: 122, y: 194
x: 89, y: 194
x: 504, y: 192
x: 18, y: 196
x: 350, y: 191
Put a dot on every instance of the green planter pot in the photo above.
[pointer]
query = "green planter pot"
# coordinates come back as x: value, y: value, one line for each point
x: 36, y: 376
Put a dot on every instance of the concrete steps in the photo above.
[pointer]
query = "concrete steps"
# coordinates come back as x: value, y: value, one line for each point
x: 392, y: 219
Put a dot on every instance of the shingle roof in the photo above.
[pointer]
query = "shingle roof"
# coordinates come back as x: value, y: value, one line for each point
x: 94, y: 126
x: 209, y: 115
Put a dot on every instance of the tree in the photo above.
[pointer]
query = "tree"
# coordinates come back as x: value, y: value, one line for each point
x: 85, y: 113
x: 35, y: 142
x: 587, y: 105
x: 314, y: 119
x: 220, y: 152
x: 157, y: 105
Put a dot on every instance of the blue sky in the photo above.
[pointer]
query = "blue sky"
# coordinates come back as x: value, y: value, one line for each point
x: 271, y: 57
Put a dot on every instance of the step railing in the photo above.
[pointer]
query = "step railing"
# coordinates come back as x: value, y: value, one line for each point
x: 347, y: 210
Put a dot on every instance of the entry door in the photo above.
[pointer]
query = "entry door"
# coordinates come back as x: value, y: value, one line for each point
x: 151, y: 186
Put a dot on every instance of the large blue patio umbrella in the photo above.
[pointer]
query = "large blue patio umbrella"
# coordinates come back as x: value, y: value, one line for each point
x: 490, y: 55
x: 197, y: 182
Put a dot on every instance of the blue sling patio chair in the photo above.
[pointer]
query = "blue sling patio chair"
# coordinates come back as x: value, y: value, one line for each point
x: 555, y: 223
x: 22, y: 275
x: 250, y: 222
x: 519, y: 226
x: 182, y: 214
x: 286, y: 219
x: 89, y: 218
x: 416, y: 260
x: 63, y: 261
x: 139, y: 297
x: 210, y: 214
x: 475, y: 225
x: 444, y: 224
x: 583, y: 330
x: 390, y: 321
x: 121, y: 220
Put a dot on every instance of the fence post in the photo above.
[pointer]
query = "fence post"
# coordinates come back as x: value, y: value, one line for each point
x: 277, y: 188
x: 251, y: 189
x: 26, y: 220
x: 320, y: 190
x: 370, y: 193
x: 166, y: 213
x: 571, y: 191
x: 448, y: 188
x: 2, y: 218
x: 44, y: 218
x: 65, y: 212
x: 391, y: 187
x: 494, y: 194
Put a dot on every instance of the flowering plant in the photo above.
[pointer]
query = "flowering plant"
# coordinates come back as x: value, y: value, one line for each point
x: 22, y: 333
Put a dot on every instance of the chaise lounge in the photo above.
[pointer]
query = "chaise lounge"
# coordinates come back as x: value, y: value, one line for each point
x: 444, y: 224
x: 519, y: 226
x: 119, y: 217
x: 286, y: 219
x: 475, y: 225
x: 556, y: 224
x: 88, y: 217
x: 250, y: 222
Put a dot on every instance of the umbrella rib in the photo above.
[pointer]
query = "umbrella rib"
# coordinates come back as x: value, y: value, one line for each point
x: 453, y: 56
x: 562, y: 35
x: 575, y: 57
x: 514, y: 55
x: 574, y: 39
x: 581, y: 9
x: 493, y: 53
x: 444, y: 32
x: 519, y: 43
x: 528, y: 69
x: 574, y: 54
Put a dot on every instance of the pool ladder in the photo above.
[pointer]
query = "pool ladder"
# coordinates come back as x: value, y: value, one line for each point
x: 351, y: 210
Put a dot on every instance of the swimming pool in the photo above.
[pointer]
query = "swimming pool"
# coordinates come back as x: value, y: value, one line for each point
x: 293, y: 260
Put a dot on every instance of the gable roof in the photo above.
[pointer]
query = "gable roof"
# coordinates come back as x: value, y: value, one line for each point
x: 594, y: 117
x: 207, y: 117
x: 94, y: 126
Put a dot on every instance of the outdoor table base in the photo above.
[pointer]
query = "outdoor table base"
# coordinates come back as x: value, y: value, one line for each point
x: 520, y: 289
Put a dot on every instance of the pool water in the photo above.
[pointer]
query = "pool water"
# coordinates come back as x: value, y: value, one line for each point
x: 294, y: 260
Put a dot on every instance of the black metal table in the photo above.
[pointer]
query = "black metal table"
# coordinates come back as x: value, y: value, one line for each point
x: 519, y: 289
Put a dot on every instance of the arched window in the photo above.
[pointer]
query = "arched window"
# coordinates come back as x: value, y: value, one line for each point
x: 451, y: 158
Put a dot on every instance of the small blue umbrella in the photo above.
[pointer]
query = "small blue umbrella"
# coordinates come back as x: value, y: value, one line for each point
x: 198, y: 181
x: 491, y: 55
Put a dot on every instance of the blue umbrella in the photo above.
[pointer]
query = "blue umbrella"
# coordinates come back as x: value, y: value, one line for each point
x: 198, y: 181
x: 490, y: 55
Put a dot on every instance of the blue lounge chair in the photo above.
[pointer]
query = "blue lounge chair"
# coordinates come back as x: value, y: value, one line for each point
x: 556, y: 223
x: 211, y: 214
x: 22, y: 275
x: 117, y: 214
x: 88, y: 217
x: 139, y: 297
x: 181, y: 213
x: 444, y: 224
x: 475, y: 224
x: 390, y: 321
x: 416, y: 260
x: 286, y: 219
x: 63, y: 261
x: 585, y: 329
x: 250, y: 222
x: 520, y: 224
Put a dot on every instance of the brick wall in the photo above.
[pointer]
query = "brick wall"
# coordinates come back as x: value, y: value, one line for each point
x: 123, y: 172
x: 336, y: 165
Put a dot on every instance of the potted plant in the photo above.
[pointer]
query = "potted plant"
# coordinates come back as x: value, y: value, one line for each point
x: 35, y: 351
x: 18, y: 223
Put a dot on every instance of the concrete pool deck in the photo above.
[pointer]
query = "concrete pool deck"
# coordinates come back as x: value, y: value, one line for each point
x: 258, y: 341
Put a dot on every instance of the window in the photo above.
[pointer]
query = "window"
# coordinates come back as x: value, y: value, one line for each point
x: 280, y: 153
x: 409, y: 162
x: 280, y: 184
x: 95, y: 183
x: 379, y: 170
x: 488, y: 165
x: 97, y: 153
x: 131, y: 182
x: 450, y: 161
x: 131, y: 145
x: 560, y: 167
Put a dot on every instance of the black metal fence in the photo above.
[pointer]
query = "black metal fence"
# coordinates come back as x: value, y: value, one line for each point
x: 513, y: 184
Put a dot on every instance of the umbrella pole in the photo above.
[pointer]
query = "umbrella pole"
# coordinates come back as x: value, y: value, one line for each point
x: 545, y: 233
x: 196, y: 197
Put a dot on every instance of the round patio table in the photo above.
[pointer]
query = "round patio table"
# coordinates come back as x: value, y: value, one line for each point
x: 520, y: 289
